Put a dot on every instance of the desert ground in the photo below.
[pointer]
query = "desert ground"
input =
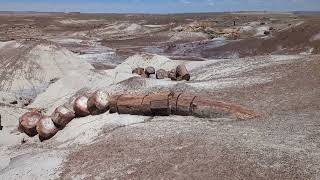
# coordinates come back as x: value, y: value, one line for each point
x: 267, y: 62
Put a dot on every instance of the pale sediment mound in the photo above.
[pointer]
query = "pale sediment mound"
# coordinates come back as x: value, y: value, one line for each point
x: 31, y: 66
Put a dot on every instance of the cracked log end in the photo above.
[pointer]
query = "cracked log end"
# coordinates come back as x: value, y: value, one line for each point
x: 98, y: 103
x: 46, y: 128
x: 28, y: 123
x: 62, y: 116
x: 80, y: 106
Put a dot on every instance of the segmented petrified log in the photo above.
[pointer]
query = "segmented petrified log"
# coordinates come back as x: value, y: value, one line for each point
x: 28, y: 123
x: 173, y: 75
x: 150, y: 70
x: 138, y: 71
x: 98, y: 103
x: 62, y: 116
x: 80, y: 106
x: 46, y: 128
x: 161, y: 74
x: 182, y: 73
x: 166, y: 103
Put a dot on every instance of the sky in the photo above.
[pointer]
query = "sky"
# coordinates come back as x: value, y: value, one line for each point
x: 158, y: 6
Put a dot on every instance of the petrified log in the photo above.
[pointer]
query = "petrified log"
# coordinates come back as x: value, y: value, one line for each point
x: 46, y: 128
x: 161, y: 74
x: 173, y: 75
x: 98, y: 103
x: 182, y: 73
x: 166, y: 103
x: 62, y: 116
x: 28, y: 123
x: 80, y: 106
x: 138, y: 71
x: 150, y: 70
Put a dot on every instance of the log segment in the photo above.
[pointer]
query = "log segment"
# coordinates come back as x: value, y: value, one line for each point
x: 80, y: 106
x: 28, y: 123
x: 98, y: 103
x: 62, y: 116
x: 46, y: 128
